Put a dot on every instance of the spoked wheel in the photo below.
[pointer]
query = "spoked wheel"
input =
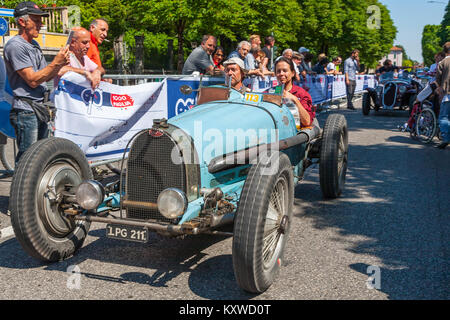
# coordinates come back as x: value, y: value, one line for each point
x: 426, y: 124
x: 49, y: 170
x: 333, y: 156
x: 262, y: 223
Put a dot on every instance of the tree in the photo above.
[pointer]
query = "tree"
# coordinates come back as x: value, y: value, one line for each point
x: 339, y: 26
x: 444, y: 32
x: 430, y: 43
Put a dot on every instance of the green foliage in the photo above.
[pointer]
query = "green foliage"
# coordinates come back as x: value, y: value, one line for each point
x: 334, y: 27
x: 444, y: 32
x: 340, y: 26
x: 430, y: 43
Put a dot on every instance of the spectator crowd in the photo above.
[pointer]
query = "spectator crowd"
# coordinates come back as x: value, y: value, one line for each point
x: 28, y: 71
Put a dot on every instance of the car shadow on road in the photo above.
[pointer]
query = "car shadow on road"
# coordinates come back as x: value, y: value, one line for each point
x: 165, y: 258
x: 400, y: 209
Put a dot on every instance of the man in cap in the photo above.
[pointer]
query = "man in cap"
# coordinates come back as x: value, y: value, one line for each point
x: 28, y: 73
x: 236, y: 73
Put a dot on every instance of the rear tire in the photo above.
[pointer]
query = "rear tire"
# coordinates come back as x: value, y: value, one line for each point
x: 262, y: 223
x: 46, y: 169
x: 333, y: 156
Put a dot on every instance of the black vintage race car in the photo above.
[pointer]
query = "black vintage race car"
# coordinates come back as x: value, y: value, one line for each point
x: 394, y: 92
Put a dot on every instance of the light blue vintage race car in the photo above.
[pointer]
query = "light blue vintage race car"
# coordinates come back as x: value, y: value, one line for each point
x: 232, y: 159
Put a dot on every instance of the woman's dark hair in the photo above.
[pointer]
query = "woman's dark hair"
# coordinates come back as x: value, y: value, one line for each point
x: 288, y: 61
x: 219, y: 48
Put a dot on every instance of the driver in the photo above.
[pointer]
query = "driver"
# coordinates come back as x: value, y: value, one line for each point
x: 236, y: 73
x: 387, y: 67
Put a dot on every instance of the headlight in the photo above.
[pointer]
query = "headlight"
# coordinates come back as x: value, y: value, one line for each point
x: 172, y: 203
x: 90, y: 194
x: 402, y: 89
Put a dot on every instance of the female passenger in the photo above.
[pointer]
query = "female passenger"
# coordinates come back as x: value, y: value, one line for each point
x: 285, y: 73
x: 218, y: 58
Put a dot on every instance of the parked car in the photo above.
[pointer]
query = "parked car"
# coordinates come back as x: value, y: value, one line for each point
x: 394, y: 92
x: 179, y: 178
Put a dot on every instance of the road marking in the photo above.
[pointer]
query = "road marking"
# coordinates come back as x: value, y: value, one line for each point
x: 7, y: 232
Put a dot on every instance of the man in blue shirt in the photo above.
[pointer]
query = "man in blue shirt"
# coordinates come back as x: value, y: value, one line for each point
x: 351, y: 69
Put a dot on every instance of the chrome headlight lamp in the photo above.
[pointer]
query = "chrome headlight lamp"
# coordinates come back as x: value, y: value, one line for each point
x: 90, y: 194
x: 402, y: 89
x: 172, y: 203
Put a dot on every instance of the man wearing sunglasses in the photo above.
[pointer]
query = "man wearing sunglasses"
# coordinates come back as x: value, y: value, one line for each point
x: 28, y: 73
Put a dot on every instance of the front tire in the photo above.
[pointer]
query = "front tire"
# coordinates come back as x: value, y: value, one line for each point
x: 366, y: 104
x: 262, y: 223
x: 333, y: 156
x: 46, y: 170
x: 426, y: 124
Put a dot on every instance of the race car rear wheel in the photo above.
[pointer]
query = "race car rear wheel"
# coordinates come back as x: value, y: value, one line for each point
x: 366, y: 104
x: 333, y: 156
x: 262, y: 223
x: 47, y: 171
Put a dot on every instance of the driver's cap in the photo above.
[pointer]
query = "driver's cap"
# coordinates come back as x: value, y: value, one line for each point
x: 235, y: 60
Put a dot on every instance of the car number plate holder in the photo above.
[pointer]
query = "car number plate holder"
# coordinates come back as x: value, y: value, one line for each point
x: 129, y: 233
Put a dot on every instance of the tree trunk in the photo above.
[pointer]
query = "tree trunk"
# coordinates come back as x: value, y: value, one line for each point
x: 118, y: 54
x: 180, y: 35
x: 139, y: 55
x: 170, y: 54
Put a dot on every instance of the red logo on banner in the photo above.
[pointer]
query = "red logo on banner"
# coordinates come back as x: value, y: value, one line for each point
x: 121, y: 101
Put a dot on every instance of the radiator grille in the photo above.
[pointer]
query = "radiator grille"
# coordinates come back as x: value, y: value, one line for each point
x: 390, y: 94
x: 150, y: 170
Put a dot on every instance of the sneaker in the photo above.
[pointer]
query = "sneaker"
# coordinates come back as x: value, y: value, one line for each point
x: 404, y: 128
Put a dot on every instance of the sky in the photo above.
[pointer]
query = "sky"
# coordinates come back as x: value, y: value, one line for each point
x: 410, y: 16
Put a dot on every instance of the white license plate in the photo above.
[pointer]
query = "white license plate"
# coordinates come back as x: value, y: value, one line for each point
x: 124, y: 232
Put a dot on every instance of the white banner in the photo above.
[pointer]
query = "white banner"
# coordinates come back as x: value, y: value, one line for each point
x: 103, y: 121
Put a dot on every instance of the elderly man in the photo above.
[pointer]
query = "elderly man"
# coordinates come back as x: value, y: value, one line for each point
x: 28, y: 73
x: 200, y: 58
x: 243, y: 51
x: 235, y: 72
x: 79, y: 61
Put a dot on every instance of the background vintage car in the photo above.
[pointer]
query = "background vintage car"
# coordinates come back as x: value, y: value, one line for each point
x: 394, y: 91
x: 185, y: 176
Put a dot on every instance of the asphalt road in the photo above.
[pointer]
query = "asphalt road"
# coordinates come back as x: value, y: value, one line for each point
x: 391, y: 223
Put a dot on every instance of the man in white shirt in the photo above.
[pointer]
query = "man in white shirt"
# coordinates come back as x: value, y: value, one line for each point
x: 79, y: 61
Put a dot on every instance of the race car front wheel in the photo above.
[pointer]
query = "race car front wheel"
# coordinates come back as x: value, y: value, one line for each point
x: 262, y: 222
x: 47, y: 171
x: 333, y: 156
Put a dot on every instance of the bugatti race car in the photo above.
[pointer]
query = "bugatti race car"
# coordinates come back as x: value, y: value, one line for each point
x: 232, y: 159
x: 394, y: 91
